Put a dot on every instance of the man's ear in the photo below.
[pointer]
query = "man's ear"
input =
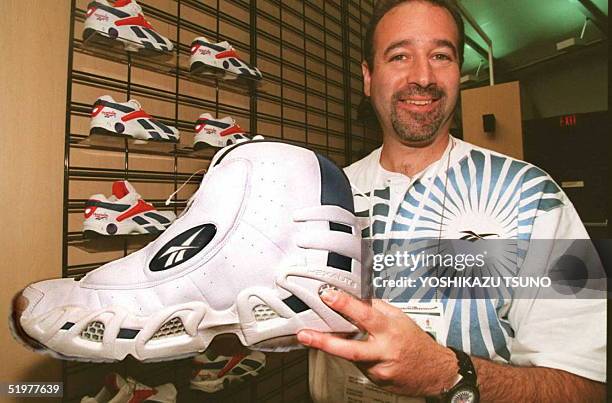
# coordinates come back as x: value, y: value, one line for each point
x: 365, y: 70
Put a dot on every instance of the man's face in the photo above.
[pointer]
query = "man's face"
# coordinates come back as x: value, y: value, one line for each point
x: 414, y: 82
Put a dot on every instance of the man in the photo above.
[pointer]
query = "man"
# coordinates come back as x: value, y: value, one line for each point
x: 423, y: 183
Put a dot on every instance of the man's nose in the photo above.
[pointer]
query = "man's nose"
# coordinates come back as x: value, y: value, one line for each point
x: 421, y: 72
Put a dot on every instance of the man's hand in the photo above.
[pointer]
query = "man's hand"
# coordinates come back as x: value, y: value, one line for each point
x: 403, y: 359
x: 397, y: 354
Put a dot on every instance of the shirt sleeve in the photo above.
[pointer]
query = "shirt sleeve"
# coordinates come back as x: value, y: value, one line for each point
x: 564, y: 333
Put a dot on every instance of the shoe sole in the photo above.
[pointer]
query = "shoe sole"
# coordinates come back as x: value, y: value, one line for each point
x: 105, y: 132
x: 105, y: 39
x: 203, y: 338
x: 201, y: 67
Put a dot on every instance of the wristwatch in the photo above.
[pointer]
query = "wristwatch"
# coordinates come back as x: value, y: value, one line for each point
x: 466, y: 389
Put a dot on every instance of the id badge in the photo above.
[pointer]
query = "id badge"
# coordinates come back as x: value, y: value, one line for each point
x: 428, y: 315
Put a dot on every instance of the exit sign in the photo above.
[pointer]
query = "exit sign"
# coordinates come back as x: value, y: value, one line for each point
x: 568, y: 120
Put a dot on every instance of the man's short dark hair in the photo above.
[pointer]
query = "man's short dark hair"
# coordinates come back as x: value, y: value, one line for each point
x: 382, y: 7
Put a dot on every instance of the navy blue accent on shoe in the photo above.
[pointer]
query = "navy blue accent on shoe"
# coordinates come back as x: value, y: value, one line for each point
x: 140, y: 220
x: 334, y: 226
x: 152, y: 230
x: 235, y: 62
x: 251, y: 363
x: 383, y: 193
x: 335, y: 186
x: 145, y: 123
x: 155, y: 135
x: 154, y: 35
x: 163, y: 260
x: 108, y: 206
x: 212, y: 365
x: 162, y: 126
x: 114, y: 105
x: 378, y: 227
x: 237, y: 371
x: 112, y: 10
x: 339, y: 261
x: 158, y: 217
x: 138, y: 32
x: 381, y: 209
x: 212, y: 46
x: 215, y: 123
x: 67, y: 326
x: 127, y: 333
x: 296, y: 304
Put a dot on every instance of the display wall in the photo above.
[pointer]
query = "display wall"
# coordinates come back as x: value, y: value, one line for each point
x: 309, y: 53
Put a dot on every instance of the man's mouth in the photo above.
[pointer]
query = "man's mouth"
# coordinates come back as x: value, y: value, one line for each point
x: 419, y: 102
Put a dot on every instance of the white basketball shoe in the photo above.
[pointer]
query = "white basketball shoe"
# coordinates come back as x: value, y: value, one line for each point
x: 271, y: 225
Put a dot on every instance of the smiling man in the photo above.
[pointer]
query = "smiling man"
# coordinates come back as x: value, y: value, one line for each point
x: 423, y: 183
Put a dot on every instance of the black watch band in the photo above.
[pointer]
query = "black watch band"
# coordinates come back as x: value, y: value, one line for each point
x: 467, y: 388
x: 466, y: 367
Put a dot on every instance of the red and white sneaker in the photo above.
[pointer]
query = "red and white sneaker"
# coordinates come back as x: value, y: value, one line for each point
x: 212, y: 373
x: 128, y: 119
x: 125, y: 212
x: 124, y: 21
x: 217, y: 132
x: 220, y: 56
x: 119, y: 390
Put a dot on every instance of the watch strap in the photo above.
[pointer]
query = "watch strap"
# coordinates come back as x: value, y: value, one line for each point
x: 466, y: 368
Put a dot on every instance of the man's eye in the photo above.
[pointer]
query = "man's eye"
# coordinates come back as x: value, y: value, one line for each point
x: 397, y: 58
x: 441, y: 56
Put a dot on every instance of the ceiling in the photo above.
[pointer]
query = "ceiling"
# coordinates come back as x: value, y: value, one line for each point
x: 526, y: 31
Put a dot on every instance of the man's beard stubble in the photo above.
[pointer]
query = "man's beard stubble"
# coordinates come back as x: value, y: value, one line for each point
x: 418, y: 128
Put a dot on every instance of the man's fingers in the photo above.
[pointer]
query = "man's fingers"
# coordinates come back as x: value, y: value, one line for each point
x: 362, y: 314
x: 352, y: 350
x: 386, y: 308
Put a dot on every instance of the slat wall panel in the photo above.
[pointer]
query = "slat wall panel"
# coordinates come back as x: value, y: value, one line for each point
x: 310, y: 55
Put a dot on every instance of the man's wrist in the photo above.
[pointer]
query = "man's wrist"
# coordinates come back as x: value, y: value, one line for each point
x: 448, y: 374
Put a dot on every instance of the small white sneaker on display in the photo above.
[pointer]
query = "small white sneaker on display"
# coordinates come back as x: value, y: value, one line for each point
x: 123, y: 213
x: 123, y: 21
x: 119, y: 390
x: 217, y: 132
x: 128, y: 119
x: 221, y: 56
x: 212, y: 373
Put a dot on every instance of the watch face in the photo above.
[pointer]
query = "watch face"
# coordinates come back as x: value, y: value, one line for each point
x: 464, y: 396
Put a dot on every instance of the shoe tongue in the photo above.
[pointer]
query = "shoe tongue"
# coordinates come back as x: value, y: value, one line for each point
x: 207, y: 116
x: 106, y: 98
x: 122, y: 189
x: 121, y: 3
x: 114, y: 382
x: 227, y: 119
x: 134, y: 104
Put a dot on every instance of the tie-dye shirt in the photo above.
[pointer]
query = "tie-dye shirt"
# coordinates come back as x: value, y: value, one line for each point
x: 481, y: 192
